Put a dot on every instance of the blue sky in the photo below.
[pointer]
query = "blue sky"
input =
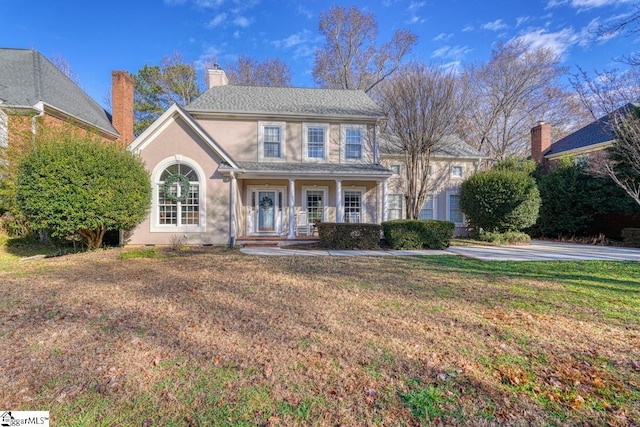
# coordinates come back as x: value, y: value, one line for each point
x: 97, y: 37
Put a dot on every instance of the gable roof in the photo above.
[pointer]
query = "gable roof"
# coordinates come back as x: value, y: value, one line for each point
x: 27, y: 78
x: 594, y: 134
x: 286, y: 101
x: 164, y: 120
x: 449, y: 146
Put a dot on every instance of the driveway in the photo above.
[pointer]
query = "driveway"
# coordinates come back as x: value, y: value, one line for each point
x: 536, y: 251
x: 547, y: 251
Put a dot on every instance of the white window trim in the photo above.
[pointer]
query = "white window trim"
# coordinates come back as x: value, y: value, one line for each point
x: 402, y: 207
x: 435, y: 205
x: 283, y: 143
x: 155, y: 226
x: 363, y: 202
x: 305, y: 142
x: 399, y: 169
x: 325, y: 198
x: 343, y: 143
x: 451, y: 175
x: 448, y: 213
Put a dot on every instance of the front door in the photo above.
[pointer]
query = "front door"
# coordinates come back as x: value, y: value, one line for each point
x: 267, y: 203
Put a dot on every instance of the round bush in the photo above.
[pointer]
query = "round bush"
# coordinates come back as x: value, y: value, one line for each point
x: 500, y: 200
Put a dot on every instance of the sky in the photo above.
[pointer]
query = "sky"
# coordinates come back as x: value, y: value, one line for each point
x: 96, y: 37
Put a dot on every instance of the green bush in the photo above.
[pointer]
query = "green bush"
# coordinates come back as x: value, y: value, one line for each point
x: 418, y: 234
x: 72, y: 184
x: 349, y: 235
x: 500, y: 200
x: 573, y: 199
x: 631, y: 237
x: 507, y: 238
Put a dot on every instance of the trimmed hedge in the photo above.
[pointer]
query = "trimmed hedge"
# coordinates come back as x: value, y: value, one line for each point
x: 349, y: 235
x: 418, y: 234
x: 631, y: 237
x: 506, y: 238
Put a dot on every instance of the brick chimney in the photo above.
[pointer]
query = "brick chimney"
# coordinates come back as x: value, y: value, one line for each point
x: 540, y: 140
x: 122, y: 105
x: 216, y: 77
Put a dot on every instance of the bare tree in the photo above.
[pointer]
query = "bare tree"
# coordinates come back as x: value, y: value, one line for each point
x: 422, y: 104
x: 626, y: 24
x: 350, y: 58
x: 516, y: 87
x: 623, y: 165
x: 65, y: 68
x: 248, y: 71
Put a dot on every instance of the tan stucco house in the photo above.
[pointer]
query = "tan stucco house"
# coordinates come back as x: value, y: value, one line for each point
x: 452, y: 161
x: 242, y: 162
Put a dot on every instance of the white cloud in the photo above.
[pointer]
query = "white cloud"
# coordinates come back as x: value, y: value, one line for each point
x: 415, y: 19
x: 209, y: 4
x: 242, y: 21
x: 302, y: 10
x: 585, y: 4
x: 521, y: 20
x: 468, y: 28
x: 303, y: 44
x: 559, y: 41
x: 219, y: 19
x: 455, y: 53
x: 174, y: 2
x: 415, y: 5
x: 236, y: 35
x: 496, y: 25
x: 442, y: 37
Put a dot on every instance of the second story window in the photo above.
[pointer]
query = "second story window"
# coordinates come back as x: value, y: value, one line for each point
x: 315, y: 141
x: 271, y: 141
x: 456, y: 171
x: 353, y: 141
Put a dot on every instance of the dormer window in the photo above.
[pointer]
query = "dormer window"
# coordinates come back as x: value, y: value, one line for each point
x: 271, y: 141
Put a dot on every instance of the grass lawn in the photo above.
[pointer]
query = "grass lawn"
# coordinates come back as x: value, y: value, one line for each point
x: 213, y: 337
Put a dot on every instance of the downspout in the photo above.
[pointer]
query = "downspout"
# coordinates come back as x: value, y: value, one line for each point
x: 34, y: 119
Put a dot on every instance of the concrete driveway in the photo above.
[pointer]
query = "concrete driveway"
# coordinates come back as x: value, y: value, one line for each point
x: 547, y: 251
x: 537, y: 251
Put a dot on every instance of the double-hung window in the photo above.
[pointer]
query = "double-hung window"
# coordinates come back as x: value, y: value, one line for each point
x: 394, y: 206
x: 353, y: 142
x: 353, y: 205
x: 454, y: 212
x: 315, y: 202
x: 315, y: 141
x: 428, y: 208
x: 271, y: 141
x: 456, y: 171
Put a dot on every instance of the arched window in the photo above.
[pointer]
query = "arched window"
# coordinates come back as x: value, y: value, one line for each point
x: 178, y: 190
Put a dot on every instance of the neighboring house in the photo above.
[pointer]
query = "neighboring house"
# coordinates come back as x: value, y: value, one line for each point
x: 242, y: 162
x: 584, y: 144
x: 451, y: 162
x: 33, y: 91
x: 587, y: 140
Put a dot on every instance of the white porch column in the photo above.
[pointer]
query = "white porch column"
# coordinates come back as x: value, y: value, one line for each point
x: 292, y: 208
x: 233, y: 189
x: 338, y: 200
x: 384, y: 201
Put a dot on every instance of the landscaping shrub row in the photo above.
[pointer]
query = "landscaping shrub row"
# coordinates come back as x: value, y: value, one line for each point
x: 349, y: 235
x: 418, y: 234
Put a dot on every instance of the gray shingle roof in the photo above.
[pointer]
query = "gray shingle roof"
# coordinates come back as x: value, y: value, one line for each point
x: 448, y: 147
x: 27, y: 77
x: 286, y: 101
x: 330, y: 169
x: 594, y: 133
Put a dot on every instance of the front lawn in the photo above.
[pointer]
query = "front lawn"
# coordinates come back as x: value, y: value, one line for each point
x: 217, y: 338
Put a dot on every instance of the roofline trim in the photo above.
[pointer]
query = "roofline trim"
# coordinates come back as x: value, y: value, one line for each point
x: 162, y: 122
x: 580, y: 150
x: 48, y: 108
x: 253, y: 114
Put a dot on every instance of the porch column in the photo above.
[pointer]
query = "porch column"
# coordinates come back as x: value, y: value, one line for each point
x: 233, y: 188
x: 338, y: 200
x: 384, y: 201
x: 292, y: 208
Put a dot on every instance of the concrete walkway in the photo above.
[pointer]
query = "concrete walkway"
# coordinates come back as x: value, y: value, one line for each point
x: 536, y: 251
